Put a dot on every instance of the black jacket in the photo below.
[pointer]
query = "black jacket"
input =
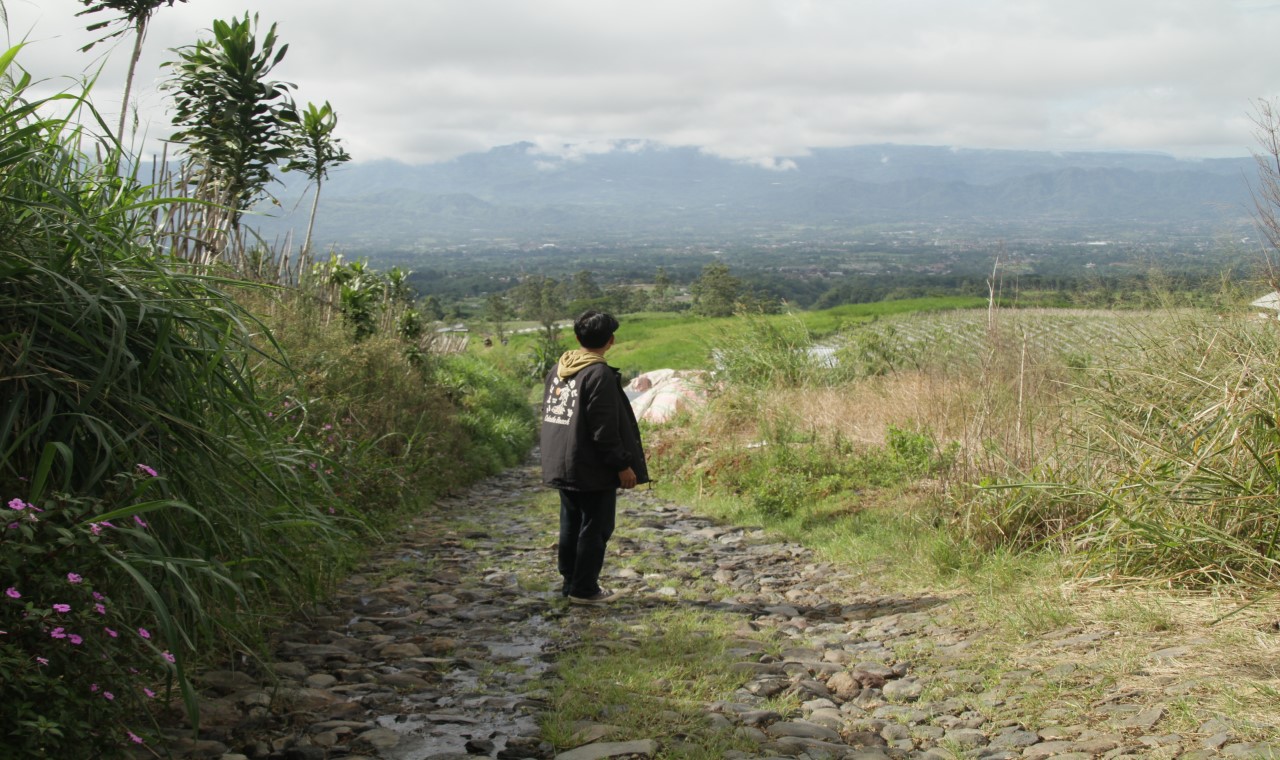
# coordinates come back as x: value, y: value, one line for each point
x: 589, y: 432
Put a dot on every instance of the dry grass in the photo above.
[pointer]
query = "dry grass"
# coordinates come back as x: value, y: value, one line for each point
x: 1158, y: 647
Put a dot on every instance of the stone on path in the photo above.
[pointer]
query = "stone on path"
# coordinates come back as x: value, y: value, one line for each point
x: 439, y: 647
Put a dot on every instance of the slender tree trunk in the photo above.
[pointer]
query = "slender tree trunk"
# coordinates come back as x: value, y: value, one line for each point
x: 311, y: 223
x: 128, y: 80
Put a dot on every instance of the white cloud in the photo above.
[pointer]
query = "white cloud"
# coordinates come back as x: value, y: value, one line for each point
x: 753, y: 80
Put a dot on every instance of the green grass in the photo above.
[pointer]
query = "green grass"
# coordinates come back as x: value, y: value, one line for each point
x: 651, y: 680
x: 665, y: 340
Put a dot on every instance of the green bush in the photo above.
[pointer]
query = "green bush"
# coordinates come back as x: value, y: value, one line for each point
x: 112, y: 355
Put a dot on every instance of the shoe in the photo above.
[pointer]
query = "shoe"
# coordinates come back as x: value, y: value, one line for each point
x: 600, y: 597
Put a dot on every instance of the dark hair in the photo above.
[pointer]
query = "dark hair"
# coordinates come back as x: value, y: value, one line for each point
x: 594, y: 328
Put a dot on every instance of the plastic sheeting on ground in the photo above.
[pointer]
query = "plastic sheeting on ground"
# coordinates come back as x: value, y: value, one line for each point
x: 659, y: 395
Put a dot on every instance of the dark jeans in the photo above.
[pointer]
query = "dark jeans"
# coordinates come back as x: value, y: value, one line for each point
x: 586, y: 523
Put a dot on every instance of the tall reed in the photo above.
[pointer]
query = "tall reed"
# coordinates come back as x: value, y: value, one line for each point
x: 116, y: 358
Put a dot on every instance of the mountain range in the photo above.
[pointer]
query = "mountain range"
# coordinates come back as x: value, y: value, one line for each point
x: 641, y: 191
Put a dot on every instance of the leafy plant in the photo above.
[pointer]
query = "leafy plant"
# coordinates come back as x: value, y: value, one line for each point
x: 113, y: 355
x: 232, y: 120
x: 316, y: 152
x: 136, y: 15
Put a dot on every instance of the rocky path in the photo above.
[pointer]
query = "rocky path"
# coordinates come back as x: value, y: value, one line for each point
x: 443, y: 646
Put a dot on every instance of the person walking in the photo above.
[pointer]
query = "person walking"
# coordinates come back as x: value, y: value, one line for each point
x: 591, y: 447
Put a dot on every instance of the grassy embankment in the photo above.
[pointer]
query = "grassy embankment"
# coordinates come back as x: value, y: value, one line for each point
x: 185, y: 457
x: 1110, y: 472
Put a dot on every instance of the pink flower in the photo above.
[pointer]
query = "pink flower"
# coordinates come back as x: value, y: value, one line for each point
x: 42, y: 660
x: 140, y: 521
x: 61, y: 608
x: 58, y: 633
x: 93, y: 687
x: 111, y: 633
x: 12, y: 593
x: 73, y: 578
x: 134, y: 737
x: 150, y: 694
x: 144, y: 633
x: 165, y: 654
x: 98, y: 596
x: 100, y: 609
x: 147, y: 470
x: 108, y: 696
x: 18, y: 504
x: 74, y: 639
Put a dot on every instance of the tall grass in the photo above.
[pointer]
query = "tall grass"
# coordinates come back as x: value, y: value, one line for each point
x: 130, y: 413
x: 1153, y: 457
x: 1172, y: 469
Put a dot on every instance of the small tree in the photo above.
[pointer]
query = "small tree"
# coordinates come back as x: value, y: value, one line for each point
x: 136, y: 15
x: 541, y: 299
x: 432, y: 309
x: 316, y: 151
x: 233, y: 120
x: 716, y: 292
x: 498, y: 312
x: 661, y: 287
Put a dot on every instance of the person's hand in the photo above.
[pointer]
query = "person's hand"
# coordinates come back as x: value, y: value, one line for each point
x: 627, y: 478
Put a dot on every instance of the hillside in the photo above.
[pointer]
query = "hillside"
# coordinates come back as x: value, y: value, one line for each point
x: 640, y: 191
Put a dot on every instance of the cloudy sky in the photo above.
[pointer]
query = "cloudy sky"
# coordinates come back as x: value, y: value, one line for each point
x: 755, y: 80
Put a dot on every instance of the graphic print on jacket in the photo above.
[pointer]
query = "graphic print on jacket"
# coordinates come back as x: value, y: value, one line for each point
x: 561, y: 401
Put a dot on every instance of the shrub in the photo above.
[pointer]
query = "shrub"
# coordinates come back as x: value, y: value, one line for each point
x: 78, y: 662
x: 111, y: 355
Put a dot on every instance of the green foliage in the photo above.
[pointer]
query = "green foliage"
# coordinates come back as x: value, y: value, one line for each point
x: 715, y: 293
x: 233, y: 120
x: 542, y: 300
x: 316, y: 149
x: 543, y: 355
x: 765, y: 353
x: 918, y: 452
x: 135, y: 15
x: 77, y: 665
x: 315, y: 152
x: 786, y: 476
x: 494, y: 411
x: 255, y: 433
x: 111, y: 356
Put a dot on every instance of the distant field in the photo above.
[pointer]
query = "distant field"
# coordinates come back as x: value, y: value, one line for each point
x: 1078, y: 336
x: 649, y: 341
x: 935, y: 329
